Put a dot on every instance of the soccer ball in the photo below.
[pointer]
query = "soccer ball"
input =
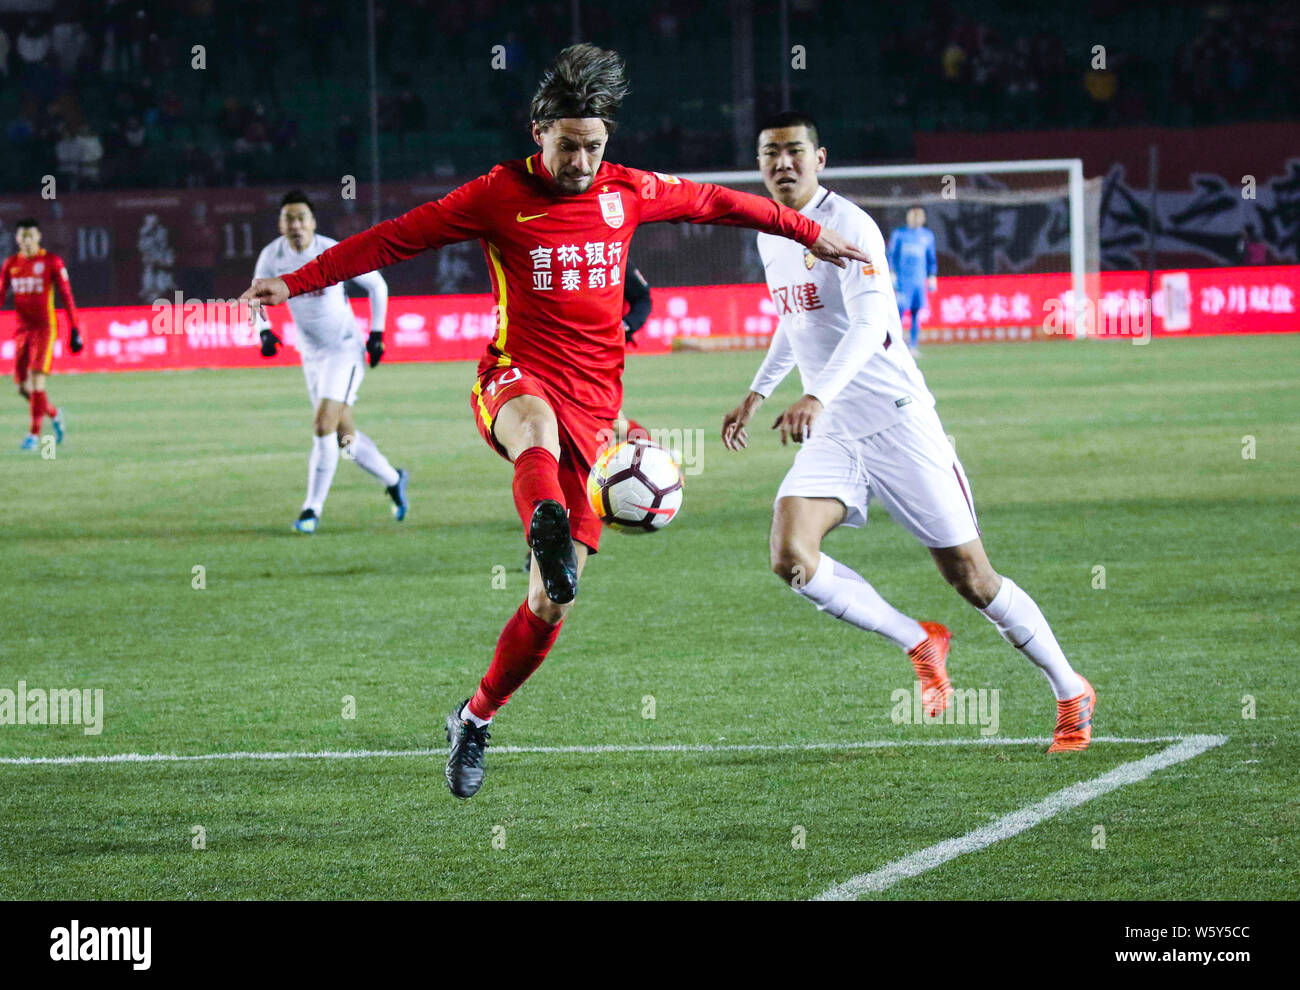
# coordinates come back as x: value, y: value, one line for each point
x: 635, y: 486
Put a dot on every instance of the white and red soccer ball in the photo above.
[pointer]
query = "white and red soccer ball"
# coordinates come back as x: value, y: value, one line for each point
x: 635, y: 486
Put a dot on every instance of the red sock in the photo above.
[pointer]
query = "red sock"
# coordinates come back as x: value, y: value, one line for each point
x: 45, y: 402
x: 523, y: 646
x: 635, y: 431
x: 37, y: 406
x: 537, y: 477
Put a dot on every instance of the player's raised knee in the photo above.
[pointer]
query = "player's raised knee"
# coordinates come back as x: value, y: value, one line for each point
x: 792, y: 563
x: 545, y: 609
x: 978, y: 586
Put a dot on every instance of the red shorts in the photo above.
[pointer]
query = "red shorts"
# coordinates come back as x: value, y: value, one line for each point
x: 582, y: 438
x: 33, y: 351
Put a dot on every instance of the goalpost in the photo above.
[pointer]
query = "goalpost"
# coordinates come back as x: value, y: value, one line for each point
x: 995, y: 218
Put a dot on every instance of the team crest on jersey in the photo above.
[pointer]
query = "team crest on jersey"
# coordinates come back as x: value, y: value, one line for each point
x: 611, y: 208
x: 809, y: 259
x: 38, y: 268
x: 672, y: 180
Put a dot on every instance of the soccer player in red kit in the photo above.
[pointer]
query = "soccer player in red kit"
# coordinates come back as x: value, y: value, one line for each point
x: 33, y: 273
x: 556, y: 228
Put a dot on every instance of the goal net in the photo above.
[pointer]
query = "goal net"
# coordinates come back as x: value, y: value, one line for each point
x: 1017, y: 246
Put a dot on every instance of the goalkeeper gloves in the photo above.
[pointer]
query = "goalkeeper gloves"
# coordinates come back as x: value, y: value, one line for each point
x: 270, y: 343
x: 75, y: 342
x: 375, y: 346
x: 629, y: 335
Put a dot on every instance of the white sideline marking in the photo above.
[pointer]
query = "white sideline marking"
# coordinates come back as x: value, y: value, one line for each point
x: 1019, y: 821
x: 364, y: 754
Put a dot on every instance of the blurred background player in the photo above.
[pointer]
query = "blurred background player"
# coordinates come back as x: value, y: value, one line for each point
x: 876, y: 434
x: 556, y: 228
x: 915, y: 267
x: 637, y: 305
x: 33, y: 273
x: 333, y: 359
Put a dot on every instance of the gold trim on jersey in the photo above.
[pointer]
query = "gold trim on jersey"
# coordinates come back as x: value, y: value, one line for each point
x: 503, y: 314
x: 482, y: 405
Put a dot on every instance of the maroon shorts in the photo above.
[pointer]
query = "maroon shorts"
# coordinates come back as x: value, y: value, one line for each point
x: 33, y: 351
x: 583, y: 437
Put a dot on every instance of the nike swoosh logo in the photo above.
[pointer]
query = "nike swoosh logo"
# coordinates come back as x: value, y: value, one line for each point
x: 523, y: 219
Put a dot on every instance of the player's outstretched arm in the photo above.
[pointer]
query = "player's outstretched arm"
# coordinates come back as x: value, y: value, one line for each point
x: 265, y: 292
x: 836, y: 249
x: 672, y: 198
x: 458, y: 216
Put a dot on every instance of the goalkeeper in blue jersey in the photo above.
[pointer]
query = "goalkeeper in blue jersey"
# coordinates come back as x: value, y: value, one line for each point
x: 915, y: 266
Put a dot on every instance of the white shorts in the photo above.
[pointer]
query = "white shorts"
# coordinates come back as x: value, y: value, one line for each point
x: 910, y: 468
x: 335, y: 375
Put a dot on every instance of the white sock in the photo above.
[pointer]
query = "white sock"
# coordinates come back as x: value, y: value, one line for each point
x: 320, y: 471
x: 844, y: 593
x: 368, y: 458
x: 1021, y: 624
x: 468, y: 716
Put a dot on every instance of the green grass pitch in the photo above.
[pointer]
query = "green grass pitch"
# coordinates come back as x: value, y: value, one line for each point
x: 1081, y: 456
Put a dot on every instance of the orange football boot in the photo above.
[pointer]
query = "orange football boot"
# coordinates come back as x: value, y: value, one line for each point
x: 1074, y: 721
x: 929, y: 657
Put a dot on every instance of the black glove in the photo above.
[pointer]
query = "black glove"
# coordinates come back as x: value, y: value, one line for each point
x: 75, y: 342
x: 629, y: 335
x: 375, y: 346
x: 270, y: 343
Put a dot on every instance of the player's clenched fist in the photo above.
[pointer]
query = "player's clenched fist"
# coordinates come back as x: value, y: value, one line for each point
x: 266, y: 291
x: 734, y: 436
x: 834, y: 248
x: 796, y: 422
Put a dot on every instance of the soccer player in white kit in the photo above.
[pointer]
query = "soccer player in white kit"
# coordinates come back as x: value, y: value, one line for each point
x: 867, y: 427
x: 333, y: 360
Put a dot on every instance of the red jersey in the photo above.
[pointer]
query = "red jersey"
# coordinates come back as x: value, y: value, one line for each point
x: 33, y: 280
x: 557, y: 261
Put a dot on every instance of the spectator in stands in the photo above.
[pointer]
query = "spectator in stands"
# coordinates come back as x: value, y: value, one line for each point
x: 21, y: 130
x: 91, y: 154
x: 1102, y: 86
x: 33, y: 43
x: 68, y: 40
x: 134, y: 137
x: 68, y: 155
x: 1251, y: 248
x: 953, y: 62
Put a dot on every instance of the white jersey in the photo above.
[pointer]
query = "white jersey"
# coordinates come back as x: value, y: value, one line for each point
x: 324, y: 320
x: 840, y: 326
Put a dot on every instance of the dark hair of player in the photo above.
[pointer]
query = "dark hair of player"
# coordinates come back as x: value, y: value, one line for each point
x: 27, y: 223
x: 583, y: 81
x: 297, y: 196
x: 789, y: 118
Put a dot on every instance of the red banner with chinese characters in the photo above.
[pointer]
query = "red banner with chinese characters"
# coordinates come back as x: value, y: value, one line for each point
x: 454, y: 328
